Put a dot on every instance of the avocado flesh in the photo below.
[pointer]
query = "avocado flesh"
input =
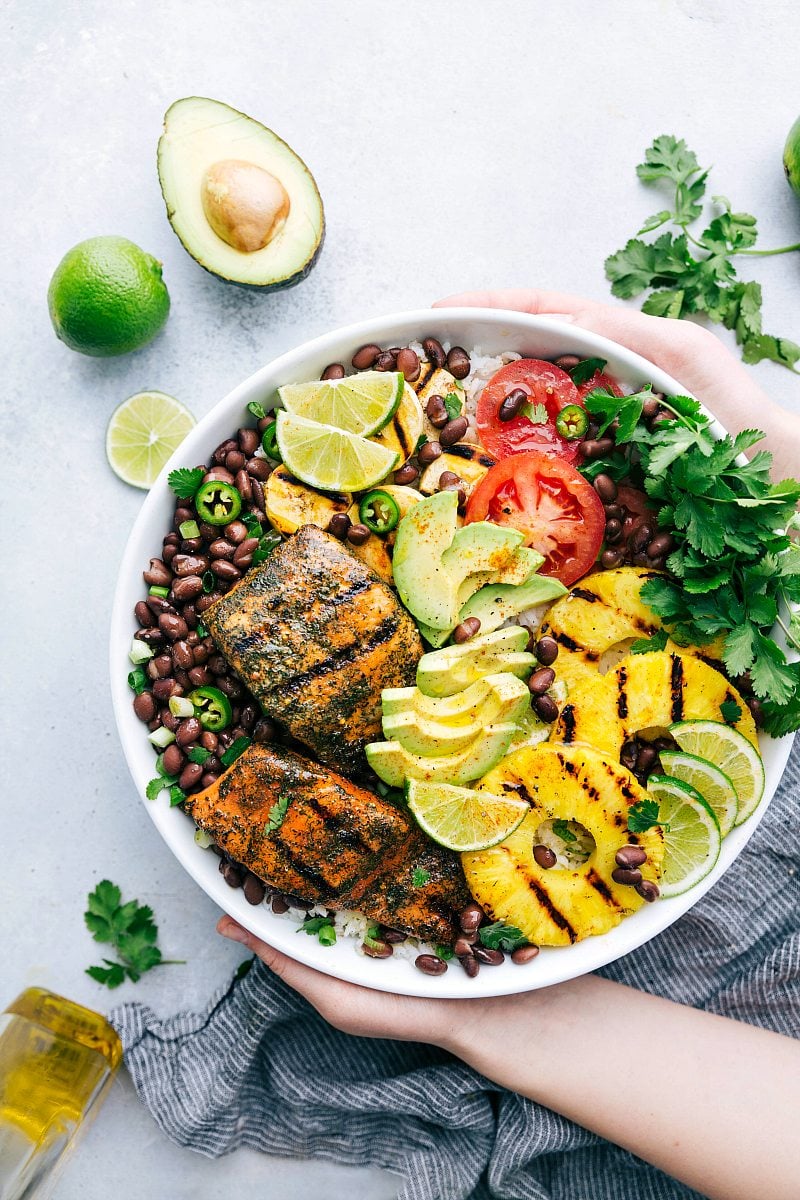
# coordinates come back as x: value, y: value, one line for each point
x: 394, y: 765
x: 198, y: 133
x: 453, y: 668
x: 460, y: 708
x: 497, y: 602
x: 427, y: 736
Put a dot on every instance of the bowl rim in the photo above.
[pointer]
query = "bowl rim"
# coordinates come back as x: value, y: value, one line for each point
x: 552, y: 965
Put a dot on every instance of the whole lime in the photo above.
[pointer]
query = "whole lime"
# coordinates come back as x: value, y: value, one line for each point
x: 107, y: 297
x: 791, y: 157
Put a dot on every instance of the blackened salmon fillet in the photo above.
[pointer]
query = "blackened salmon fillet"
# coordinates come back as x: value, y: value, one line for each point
x: 306, y: 830
x: 316, y: 636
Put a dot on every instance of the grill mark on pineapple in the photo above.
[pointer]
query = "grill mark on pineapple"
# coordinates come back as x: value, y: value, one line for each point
x: 543, y: 898
x: 471, y: 454
x: 585, y: 594
x: 594, y: 880
x: 676, y: 687
x: 569, y: 643
x: 400, y: 434
x: 622, y: 697
x: 568, y: 723
x: 426, y: 369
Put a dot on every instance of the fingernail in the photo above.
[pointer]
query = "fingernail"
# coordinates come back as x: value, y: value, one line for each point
x: 234, y: 932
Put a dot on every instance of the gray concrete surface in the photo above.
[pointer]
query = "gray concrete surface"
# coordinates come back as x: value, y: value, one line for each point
x: 455, y: 145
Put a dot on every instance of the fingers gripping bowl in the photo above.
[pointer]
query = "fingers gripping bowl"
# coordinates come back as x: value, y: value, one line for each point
x: 495, y: 332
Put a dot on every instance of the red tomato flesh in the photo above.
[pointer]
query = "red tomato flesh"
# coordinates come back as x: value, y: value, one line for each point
x: 599, y: 380
x: 544, y: 384
x: 557, y: 510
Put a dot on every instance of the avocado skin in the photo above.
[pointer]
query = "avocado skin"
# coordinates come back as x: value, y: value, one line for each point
x: 278, y: 285
x: 791, y: 157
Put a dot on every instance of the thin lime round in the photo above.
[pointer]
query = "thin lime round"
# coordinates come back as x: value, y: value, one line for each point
x: 143, y: 433
x: 107, y: 297
x: 330, y: 459
x: 360, y: 404
x: 462, y: 819
x: 692, y: 839
x: 713, y: 785
x: 729, y: 750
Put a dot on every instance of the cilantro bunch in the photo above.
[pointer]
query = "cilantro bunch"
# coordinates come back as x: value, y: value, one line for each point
x: 688, y: 274
x: 129, y: 928
x: 735, y: 571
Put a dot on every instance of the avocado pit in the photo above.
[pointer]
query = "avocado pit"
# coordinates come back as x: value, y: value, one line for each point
x: 244, y: 204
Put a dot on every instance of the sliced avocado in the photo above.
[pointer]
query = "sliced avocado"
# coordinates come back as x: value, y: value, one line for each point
x: 394, y: 765
x: 425, y: 735
x: 423, y: 536
x: 443, y: 672
x: 482, y: 546
x: 496, y: 602
x: 460, y: 708
x: 243, y: 204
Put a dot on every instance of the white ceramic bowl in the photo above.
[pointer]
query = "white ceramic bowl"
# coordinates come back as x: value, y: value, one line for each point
x: 492, y: 331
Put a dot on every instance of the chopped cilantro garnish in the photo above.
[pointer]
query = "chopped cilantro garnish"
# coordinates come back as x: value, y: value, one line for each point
x: 500, y: 936
x: 643, y: 816
x: 185, y: 481
x: 276, y: 815
x: 647, y: 645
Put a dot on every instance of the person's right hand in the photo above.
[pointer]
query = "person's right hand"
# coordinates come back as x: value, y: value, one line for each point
x: 690, y: 353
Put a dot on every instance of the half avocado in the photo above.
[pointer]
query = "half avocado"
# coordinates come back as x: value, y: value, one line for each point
x: 243, y: 204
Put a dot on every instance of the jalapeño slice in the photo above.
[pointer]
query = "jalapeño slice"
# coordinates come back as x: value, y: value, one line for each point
x: 212, y: 708
x: 269, y: 442
x: 379, y: 511
x: 572, y: 422
x: 217, y: 502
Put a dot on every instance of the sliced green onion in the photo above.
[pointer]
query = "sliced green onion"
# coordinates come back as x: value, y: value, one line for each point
x: 139, y: 652
x: 161, y: 737
x: 180, y: 706
x: 155, y: 590
x: 203, y: 839
x: 209, y: 581
x: 445, y: 953
x: 234, y: 750
x: 189, y: 529
x: 327, y: 936
x: 138, y: 681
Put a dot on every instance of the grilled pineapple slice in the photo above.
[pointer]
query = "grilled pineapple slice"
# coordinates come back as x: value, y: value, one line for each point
x: 469, y: 462
x: 603, y: 612
x: 645, y: 694
x: 403, y: 431
x: 559, y: 906
x: 291, y: 503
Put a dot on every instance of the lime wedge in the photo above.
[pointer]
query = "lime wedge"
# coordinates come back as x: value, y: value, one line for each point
x: 713, y: 785
x: 360, y: 404
x: 692, y: 838
x: 330, y: 459
x: 461, y: 819
x: 729, y: 750
x: 143, y: 433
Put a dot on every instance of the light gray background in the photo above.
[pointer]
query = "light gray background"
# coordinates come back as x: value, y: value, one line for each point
x: 456, y: 144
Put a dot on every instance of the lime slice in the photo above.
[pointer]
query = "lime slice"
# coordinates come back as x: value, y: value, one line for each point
x: 692, y: 838
x: 729, y: 750
x: 358, y: 404
x: 461, y: 819
x: 142, y: 434
x: 713, y: 785
x: 330, y: 459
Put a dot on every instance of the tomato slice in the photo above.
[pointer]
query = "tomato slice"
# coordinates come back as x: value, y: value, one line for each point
x: 599, y: 380
x: 544, y: 384
x: 558, y: 511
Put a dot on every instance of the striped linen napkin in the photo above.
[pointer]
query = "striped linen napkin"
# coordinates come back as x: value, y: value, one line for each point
x: 260, y: 1068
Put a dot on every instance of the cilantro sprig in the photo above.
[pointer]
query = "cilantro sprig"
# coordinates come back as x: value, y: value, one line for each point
x: 734, y: 570
x: 685, y: 274
x: 643, y: 816
x: 130, y: 929
x: 185, y: 481
x: 499, y: 936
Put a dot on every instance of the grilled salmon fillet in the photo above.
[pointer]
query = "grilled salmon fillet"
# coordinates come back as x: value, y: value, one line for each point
x: 316, y: 637
x: 336, y: 843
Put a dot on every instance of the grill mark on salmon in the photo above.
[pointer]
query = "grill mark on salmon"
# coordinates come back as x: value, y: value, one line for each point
x: 382, y: 634
x: 676, y: 687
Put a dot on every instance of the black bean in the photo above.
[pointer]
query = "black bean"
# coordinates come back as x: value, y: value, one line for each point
x: 524, y: 954
x: 159, y: 605
x: 613, y: 530
x: 436, y: 412
x: 231, y: 687
x: 492, y: 958
x: 173, y: 626
x: 188, y: 731
x: 339, y: 525
x: 200, y: 676
x: 204, y: 602
x: 151, y: 636
x: 453, y: 431
x: 171, y: 539
x: 627, y: 875
x: 244, y: 486
x: 169, y: 720
x: 648, y: 890
x: 610, y: 559
x: 143, y: 614
x: 365, y: 357
x: 756, y: 709
x: 593, y: 448
x: 188, y: 587
x: 232, y: 873
x: 630, y: 856
x: 407, y: 474
x: 222, y: 451
x: 640, y: 538
x: 358, y: 534
x: 429, y: 452
x: 225, y: 570
x: 546, y: 650
x: 208, y: 741
x: 566, y: 361
x: 279, y: 905
x: 614, y: 512
x: 646, y: 759
x: 157, y: 574
x: 376, y: 949
x: 163, y: 689
x: 174, y: 760
x: 144, y: 706
x: 384, y: 362
x: 333, y: 371
x: 466, y: 630
x: 606, y: 488
x: 541, y: 680
x: 190, y: 564
x: 190, y: 777
x: 661, y: 544
x: 258, y: 468
x: 248, y: 441
x: 264, y: 730
x: 254, y: 889
x: 219, y: 474
x: 168, y: 553
x: 393, y: 936
x: 235, y: 462
x: 182, y: 654
x: 544, y: 856
x: 650, y: 408
x: 434, y: 351
x: 248, y: 717
x: 429, y: 964
x: 182, y: 513
x: 221, y: 548
x: 463, y: 945
x: 449, y: 479
x: 471, y: 965
x: 629, y: 754
x: 408, y: 363
x: 217, y: 664
x: 470, y: 918
x: 546, y: 708
x: 512, y: 404
x: 458, y: 363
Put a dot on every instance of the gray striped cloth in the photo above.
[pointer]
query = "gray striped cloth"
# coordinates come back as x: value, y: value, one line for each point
x: 260, y: 1068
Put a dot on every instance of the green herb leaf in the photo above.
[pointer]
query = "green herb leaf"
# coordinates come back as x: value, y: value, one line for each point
x: 534, y: 412
x: 198, y: 755
x: 322, y: 926
x: 185, y: 481
x: 642, y: 816
x: 256, y: 410
x: 500, y: 936
x: 176, y: 795
x: 647, y: 645
x: 420, y: 877
x: 561, y: 829
x: 234, y: 750
x: 730, y: 711
x: 202, y: 632
x: 453, y: 406
x: 421, y: 440
x: 156, y: 786
x: 276, y: 815
x: 138, y: 681
x: 131, y: 930
x: 445, y: 953
x: 583, y: 371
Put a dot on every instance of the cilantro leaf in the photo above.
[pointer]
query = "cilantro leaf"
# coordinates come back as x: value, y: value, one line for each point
x: 534, y: 412
x: 583, y: 371
x: 631, y: 269
x: 131, y: 930
x: 198, y: 754
x: 277, y: 814
x: 627, y: 410
x: 647, y: 645
x: 185, y: 481
x: 420, y: 877
x: 500, y: 936
x: 561, y: 829
x: 256, y: 410
x: 668, y: 158
x: 445, y: 953
x: 643, y: 816
x: 453, y: 406
x: 730, y: 711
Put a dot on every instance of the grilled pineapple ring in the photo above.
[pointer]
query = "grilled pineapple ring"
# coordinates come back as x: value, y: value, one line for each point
x: 645, y: 694
x: 601, y: 612
x: 557, y: 907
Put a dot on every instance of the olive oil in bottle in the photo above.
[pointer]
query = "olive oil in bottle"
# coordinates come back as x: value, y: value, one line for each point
x: 56, y: 1062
